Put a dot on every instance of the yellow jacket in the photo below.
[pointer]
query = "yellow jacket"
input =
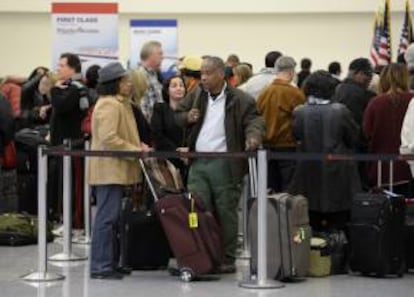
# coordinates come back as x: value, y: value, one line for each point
x: 276, y: 104
x: 114, y: 128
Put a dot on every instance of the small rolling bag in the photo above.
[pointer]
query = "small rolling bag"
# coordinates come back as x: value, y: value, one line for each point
x: 377, y: 232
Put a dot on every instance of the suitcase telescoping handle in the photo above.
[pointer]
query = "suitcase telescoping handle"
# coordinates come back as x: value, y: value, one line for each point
x: 148, y: 179
x: 253, y: 177
x: 391, y: 175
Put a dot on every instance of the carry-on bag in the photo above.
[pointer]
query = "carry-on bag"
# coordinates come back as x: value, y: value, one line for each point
x: 191, y: 230
x: 409, y: 234
x: 320, y: 258
x: 142, y: 239
x: 288, y: 235
x: 377, y: 231
x: 18, y: 229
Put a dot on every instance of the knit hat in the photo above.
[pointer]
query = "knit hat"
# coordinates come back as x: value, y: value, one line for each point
x: 361, y: 65
x: 192, y: 63
x: 111, y: 72
x: 409, y: 56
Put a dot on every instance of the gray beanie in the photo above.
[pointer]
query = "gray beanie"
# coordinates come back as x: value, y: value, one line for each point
x: 409, y: 56
x: 111, y: 72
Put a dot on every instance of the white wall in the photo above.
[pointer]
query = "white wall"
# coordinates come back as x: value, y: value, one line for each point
x: 321, y: 36
x: 214, y: 6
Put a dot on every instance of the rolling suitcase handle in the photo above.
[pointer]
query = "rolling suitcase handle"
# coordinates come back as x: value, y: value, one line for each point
x: 391, y: 175
x: 253, y: 177
x: 148, y: 179
x: 250, y: 188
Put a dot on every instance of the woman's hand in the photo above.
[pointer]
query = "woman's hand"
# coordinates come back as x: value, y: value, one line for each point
x: 145, y: 148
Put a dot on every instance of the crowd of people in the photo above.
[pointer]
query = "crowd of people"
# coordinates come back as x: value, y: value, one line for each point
x: 212, y: 105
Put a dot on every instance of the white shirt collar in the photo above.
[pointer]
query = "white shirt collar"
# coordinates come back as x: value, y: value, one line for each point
x: 221, y: 93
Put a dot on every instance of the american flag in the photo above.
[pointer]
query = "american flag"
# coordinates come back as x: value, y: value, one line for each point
x: 385, y: 42
x: 407, y: 30
x: 381, y: 46
x: 376, y: 40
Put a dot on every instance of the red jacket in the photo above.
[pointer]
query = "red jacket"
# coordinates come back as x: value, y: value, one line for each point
x: 11, y: 92
x: 382, y: 124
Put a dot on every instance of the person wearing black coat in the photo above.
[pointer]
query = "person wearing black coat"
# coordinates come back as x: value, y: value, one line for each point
x: 32, y: 100
x: 6, y: 134
x: 6, y: 124
x: 70, y: 102
x: 67, y: 112
x: 322, y: 126
x: 354, y: 94
x: 167, y: 135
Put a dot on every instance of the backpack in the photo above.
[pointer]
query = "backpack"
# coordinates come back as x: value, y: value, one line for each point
x: 20, y: 229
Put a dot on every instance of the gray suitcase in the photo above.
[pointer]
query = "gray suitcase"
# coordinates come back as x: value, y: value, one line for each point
x: 288, y: 236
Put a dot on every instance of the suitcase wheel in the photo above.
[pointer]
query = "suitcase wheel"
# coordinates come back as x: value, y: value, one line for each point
x: 187, y: 274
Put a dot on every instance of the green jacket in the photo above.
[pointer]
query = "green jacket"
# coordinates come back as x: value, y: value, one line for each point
x: 242, y: 121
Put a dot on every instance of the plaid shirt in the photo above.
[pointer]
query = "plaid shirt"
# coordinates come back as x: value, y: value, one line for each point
x: 153, y: 93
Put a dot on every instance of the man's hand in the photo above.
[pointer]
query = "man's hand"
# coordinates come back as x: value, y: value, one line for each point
x: 193, y: 115
x: 183, y: 150
x: 252, y: 144
x: 61, y: 84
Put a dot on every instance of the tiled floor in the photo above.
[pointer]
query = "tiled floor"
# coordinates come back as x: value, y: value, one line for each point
x: 15, y: 262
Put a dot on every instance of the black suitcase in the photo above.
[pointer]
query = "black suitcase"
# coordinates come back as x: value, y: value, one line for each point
x: 27, y: 140
x: 409, y: 234
x: 27, y: 193
x: 143, y: 242
x: 377, y: 233
x: 8, y: 191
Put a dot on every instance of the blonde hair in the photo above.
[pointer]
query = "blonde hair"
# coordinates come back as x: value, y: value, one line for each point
x: 394, y: 79
x: 47, y: 82
x: 139, y: 85
x: 243, y: 72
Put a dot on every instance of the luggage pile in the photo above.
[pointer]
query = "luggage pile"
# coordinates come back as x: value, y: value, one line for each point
x: 173, y: 219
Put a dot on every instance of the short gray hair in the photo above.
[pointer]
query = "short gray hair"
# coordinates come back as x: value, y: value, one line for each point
x: 216, y: 62
x: 285, y: 63
x: 148, y: 48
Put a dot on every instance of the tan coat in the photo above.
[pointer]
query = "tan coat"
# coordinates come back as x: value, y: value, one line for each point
x: 114, y: 128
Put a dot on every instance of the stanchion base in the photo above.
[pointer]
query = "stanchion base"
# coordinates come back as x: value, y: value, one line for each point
x: 255, y: 284
x: 42, y: 277
x: 67, y: 257
x: 82, y: 240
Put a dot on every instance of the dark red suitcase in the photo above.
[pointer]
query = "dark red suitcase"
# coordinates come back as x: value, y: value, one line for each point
x: 197, y: 249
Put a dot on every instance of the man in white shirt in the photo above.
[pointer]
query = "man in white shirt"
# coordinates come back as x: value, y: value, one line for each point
x: 220, y: 119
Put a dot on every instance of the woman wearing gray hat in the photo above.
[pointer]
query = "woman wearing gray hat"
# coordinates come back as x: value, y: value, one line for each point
x: 113, y: 128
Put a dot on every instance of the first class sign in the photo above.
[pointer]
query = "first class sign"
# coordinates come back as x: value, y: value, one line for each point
x: 89, y: 30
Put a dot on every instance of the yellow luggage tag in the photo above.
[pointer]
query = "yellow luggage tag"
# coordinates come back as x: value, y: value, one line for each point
x: 192, y: 216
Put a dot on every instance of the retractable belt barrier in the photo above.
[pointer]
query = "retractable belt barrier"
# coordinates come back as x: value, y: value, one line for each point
x: 65, y: 151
